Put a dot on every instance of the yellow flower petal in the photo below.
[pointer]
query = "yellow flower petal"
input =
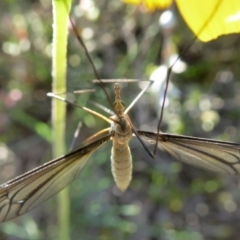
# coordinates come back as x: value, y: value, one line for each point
x: 151, y: 5
x: 209, y: 19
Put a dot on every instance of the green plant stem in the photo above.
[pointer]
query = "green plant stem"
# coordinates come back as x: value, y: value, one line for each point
x: 60, y: 35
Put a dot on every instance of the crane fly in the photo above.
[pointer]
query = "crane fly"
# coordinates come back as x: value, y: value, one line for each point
x: 27, y: 191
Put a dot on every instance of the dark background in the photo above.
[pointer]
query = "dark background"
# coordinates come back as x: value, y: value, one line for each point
x: 166, y: 200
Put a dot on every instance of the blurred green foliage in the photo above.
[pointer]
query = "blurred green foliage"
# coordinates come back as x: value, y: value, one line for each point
x: 166, y: 200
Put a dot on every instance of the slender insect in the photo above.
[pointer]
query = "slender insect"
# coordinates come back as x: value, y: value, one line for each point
x: 29, y: 190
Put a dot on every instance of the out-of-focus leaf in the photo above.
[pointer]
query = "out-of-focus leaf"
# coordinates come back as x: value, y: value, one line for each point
x: 41, y: 128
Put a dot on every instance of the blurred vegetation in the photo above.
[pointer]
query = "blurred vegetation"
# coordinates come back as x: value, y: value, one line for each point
x: 166, y: 200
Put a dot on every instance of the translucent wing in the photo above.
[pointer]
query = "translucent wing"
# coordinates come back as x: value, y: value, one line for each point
x: 218, y: 156
x: 29, y: 190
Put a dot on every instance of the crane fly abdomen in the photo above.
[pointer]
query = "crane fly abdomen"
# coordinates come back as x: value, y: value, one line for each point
x: 121, y: 161
x: 121, y: 158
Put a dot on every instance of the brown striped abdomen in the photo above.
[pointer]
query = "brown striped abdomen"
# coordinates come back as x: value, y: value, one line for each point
x: 121, y: 161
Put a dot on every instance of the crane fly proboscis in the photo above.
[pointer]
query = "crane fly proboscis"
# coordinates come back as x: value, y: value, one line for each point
x: 29, y: 190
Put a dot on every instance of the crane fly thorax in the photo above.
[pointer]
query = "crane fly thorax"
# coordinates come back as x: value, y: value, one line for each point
x: 121, y: 130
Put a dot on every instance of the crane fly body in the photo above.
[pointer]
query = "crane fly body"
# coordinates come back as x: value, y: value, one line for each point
x: 121, y: 158
x: 25, y: 192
